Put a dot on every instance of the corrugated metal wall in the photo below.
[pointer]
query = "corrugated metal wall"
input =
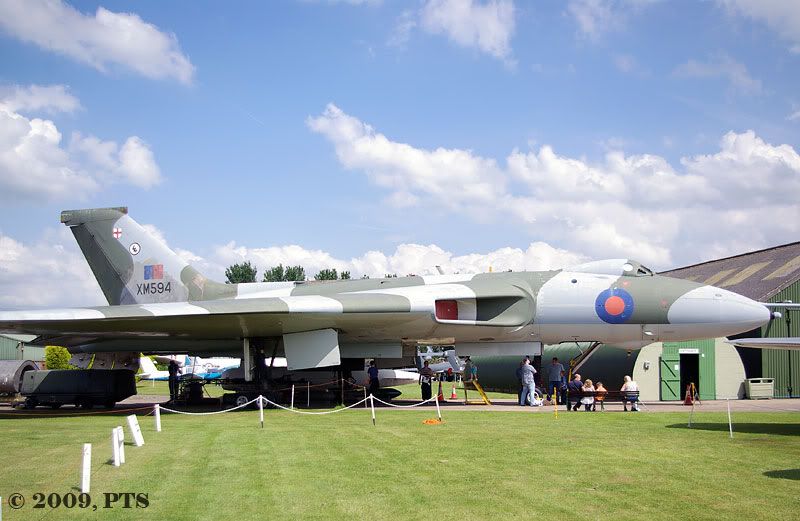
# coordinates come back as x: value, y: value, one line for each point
x: 781, y: 364
x: 9, y: 351
x: 707, y: 386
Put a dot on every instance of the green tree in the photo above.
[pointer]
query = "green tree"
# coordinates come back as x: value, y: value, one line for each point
x: 290, y: 273
x: 327, y: 274
x: 57, y: 357
x: 244, y: 272
x: 294, y: 273
x: 275, y: 274
x: 344, y: 275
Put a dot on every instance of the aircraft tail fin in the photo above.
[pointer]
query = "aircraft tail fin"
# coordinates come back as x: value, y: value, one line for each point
x: 131, y: 265
x: 147, y: 365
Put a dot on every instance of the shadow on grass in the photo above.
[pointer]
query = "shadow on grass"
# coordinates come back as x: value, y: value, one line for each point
x: 793, y: 474
x: 783, y: 429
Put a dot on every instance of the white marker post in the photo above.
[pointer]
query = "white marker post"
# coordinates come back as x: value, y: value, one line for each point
x: 136, y: 431
x: 365, y: 397
x: 372, y: 404
x: 438, y: 411
x: 291, y: 406
x: 730, y: 423
x: 157, y: 410
x: 86, y: 473
x: 115, y: 446
x: 121, y: 441
x: 261, y: 410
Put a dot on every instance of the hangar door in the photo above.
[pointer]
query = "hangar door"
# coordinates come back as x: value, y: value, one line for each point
x: 670, y: 375
x: 699, y: 357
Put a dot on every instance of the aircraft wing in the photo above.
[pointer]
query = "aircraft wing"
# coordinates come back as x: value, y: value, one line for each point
x: 767, y: 343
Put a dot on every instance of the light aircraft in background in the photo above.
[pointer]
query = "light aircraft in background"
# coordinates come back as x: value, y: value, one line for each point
x: 158, y: 303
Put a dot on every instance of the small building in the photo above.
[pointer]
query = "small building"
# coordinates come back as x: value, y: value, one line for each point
x: 15, y: 347
x: 663, y: 370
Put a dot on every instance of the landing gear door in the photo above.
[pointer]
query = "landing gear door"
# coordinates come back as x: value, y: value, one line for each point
x: 311, y: 349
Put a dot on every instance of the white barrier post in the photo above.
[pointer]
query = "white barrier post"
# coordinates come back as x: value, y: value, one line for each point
x: 158, y: 417
x: 261, y: 410
x: 372, y: 404
x: 730, y: 423
x: 121, y: 443
x: 115, y: 446
x: 86, y: 473
x: 438, y: 411
x: 136, y: 431
x: 291, y: 405
x: 365, y: 397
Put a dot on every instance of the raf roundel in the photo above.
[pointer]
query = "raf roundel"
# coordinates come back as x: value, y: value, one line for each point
x: 614, y: 306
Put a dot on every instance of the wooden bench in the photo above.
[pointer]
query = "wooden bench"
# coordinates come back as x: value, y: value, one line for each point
x: 606, y: 396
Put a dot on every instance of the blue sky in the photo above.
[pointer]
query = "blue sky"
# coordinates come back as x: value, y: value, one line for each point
x: 392, y: 136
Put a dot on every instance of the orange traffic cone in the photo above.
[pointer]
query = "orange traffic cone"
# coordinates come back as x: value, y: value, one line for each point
x: 688, y: 399
x: 453, y: 395
x: 440, y: 396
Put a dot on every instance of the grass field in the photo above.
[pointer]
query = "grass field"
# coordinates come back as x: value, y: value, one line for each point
x: 477, y: 465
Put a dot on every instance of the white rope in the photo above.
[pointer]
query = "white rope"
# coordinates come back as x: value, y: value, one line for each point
x: 309, y: 412
x: 210, y: 413
x: 404, y: 406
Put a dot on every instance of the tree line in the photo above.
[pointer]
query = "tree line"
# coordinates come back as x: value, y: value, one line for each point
x: 246, y: 272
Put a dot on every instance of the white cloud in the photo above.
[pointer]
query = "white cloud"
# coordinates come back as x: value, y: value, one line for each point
x: 597, y: 17
x: 38, y: 98
x: 407, y: 259
x: 35, y: 165
x: 102, y: 40
x: 794, y: 116
x: 487, y: 26
x: 782, y: 16
x: 625, y: 205
x: 725, y: 67
x: 50, y: 272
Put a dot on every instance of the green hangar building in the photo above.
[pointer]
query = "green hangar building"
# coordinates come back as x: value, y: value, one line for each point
x: 15, y: 347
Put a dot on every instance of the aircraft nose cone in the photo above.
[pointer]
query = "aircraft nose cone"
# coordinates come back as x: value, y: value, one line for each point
x: 710, y: 305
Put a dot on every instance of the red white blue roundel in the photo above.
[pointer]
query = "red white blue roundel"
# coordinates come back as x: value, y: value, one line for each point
x: 614, y: 306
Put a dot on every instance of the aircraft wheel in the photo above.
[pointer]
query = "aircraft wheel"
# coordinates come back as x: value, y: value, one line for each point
x: 241, y: 399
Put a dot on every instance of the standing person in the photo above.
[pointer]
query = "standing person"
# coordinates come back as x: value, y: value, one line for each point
x: 374, y: 383
x: 425, y: 379
x: 520, y: 397
x: 528, y: 373
x: 470, y: 371
x: 174, y: 370
x: 554, y: 374
x: 587, y: 398
x: 574, y: 392
x: 600, y: 393
x: 630, y: 393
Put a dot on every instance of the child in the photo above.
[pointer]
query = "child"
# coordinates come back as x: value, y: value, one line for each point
x: 588, y: 395
x: 599, y: 396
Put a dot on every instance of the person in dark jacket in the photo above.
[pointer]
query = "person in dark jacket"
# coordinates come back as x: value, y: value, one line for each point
x: 174, y: 370
x: 574, y: 392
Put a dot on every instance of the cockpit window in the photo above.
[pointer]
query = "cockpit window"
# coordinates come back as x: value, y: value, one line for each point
x: 635, y: 269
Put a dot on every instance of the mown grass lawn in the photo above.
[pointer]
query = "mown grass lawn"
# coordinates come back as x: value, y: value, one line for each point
x: 477, y: 465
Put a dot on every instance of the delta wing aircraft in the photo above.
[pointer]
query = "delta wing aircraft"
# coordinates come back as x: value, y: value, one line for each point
x: 160, y: 304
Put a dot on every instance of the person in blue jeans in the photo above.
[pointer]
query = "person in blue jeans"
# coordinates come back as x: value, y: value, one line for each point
x: 554, y: 373
x: 527, y: 373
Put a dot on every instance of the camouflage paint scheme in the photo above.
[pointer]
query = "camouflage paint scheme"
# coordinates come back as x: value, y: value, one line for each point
x: 159, y: 303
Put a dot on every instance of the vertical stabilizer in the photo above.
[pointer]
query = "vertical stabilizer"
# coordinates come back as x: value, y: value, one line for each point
x: 131, y: 265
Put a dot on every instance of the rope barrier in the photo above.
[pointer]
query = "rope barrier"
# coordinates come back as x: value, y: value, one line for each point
x: 212, y: 412
x: 405, y: 406
x: 297, y: 411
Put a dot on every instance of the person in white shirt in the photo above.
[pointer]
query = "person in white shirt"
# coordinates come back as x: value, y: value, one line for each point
x: 630, y: 390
